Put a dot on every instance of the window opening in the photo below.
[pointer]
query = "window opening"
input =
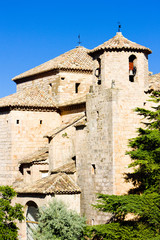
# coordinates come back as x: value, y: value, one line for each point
x: 93, y: 169
x: 62, y: 78
x: 74, y: 159
x: 31, y: 219
x: 29, y: 172
x: 132, y: 68
x: 77, y: 87
x: 40, y: 121
x: 97, y: 114
x: 50, y: 88
x: 17, y: 121
x: 92, y: 221
x: 44, y: 174
x: 99, y: 82
x: 98, y: 71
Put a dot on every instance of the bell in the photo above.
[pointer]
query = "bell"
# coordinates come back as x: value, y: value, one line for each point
x: 131, y: 73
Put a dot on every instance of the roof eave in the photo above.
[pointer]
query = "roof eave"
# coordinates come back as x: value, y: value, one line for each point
x: 114, y: 49
x: 15, y: 79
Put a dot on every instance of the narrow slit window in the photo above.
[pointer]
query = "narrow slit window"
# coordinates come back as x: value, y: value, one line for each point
x: 77, y: 87
x: 93, y: 169
x: 50, y: 88
x: 40, y: 121
x: 17, y: 121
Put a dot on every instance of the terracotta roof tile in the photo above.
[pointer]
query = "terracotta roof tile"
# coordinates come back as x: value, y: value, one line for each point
x: 53, y: 184
x: 38, y: 156
x: 66, y: 168
x: 120, y: 42
x: 78, y: 100
x: 30, y: 97
x: 76, y: 58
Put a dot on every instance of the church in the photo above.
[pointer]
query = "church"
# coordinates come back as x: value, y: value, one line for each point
x: 64, y: 133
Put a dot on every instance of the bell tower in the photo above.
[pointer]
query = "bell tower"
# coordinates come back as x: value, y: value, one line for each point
x: 119, y: 79
x: 121, y: 61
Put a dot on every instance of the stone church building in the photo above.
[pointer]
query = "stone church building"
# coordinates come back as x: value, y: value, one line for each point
x: 64, y: 133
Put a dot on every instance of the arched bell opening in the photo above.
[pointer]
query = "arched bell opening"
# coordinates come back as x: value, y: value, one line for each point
x: 31, y: 219
x: 132, y: 68
x: 98, y: 71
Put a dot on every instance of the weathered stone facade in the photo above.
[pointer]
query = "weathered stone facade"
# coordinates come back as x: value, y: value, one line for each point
x: 83, y: 115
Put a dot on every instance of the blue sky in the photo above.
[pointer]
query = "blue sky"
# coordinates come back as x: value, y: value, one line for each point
x: 32, y: 32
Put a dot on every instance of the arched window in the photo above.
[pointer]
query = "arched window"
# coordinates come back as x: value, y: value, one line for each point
x: 132, y: 67
x: 98, y: 71
x: 31, y: 219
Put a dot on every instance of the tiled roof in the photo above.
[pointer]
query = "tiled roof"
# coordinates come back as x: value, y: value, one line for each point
x: 55, y: 183
x: 76, y: 58
x: 30, y: 97
x: 154, y: 81
x: 65, y: 125
x: 119, y: 42
x: 38, y: 156
x: 66, y: 168
x: 78, y: 100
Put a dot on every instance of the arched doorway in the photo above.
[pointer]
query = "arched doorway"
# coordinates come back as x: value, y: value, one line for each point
x: 31, y: 219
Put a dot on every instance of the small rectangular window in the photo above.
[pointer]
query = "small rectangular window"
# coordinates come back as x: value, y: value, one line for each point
x: 44, y: 174
x: 62, y: 78
x: 77, y: 87
x: 99, y: 82
x: 40, y: 121
x: 17, y: 121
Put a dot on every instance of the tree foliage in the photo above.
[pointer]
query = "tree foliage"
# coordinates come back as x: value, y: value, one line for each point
x: 57, y: 222
x: 143, y: 200
x: 8, y: 214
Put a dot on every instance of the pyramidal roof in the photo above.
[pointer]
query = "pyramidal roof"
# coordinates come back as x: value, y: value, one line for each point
x: 75, y: 59
x: 119, y: 42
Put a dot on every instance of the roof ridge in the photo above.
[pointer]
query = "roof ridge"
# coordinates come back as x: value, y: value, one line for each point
x: 37, y: 152
x: 62, y: 61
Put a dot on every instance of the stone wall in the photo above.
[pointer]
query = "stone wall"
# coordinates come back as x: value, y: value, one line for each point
x: 43, y: 81
x: 98, y: 160
x: 27, y: 132
x: 126, y: 128
x: 34, y: 172
x: 61, y: 85
x: 5, y: 149
x: 67, y: 85
x: 62, y: 148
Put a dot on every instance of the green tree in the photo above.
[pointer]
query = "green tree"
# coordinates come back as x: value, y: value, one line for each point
x: 8, y: 214
x: 143, y: 200
x: 57, y: 222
